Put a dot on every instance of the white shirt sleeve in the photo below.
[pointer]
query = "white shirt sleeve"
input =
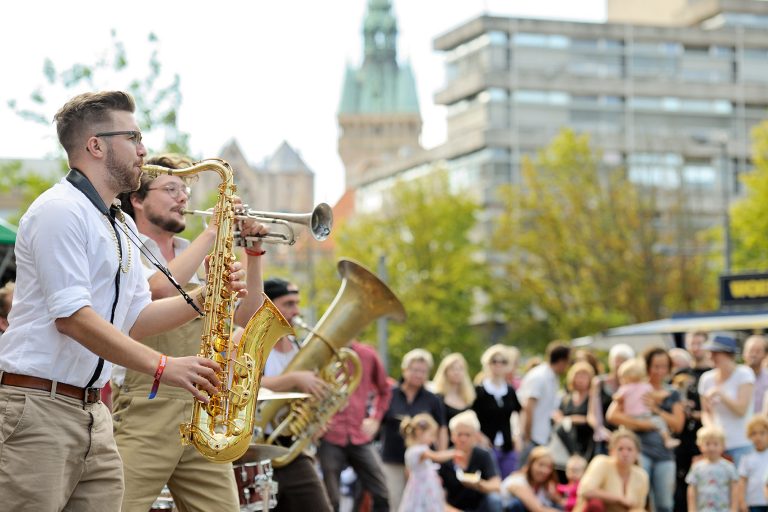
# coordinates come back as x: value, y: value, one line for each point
x: 58, y: 238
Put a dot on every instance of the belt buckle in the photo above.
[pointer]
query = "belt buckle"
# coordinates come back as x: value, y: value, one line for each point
x: 92, y: 395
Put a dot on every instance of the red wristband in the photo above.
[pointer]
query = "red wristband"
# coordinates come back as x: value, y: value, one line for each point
x: 158, y: 374
x: 251, y: 252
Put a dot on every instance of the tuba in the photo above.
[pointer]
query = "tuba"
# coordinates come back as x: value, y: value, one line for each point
x: 221, y: 430
x: 362, y: 298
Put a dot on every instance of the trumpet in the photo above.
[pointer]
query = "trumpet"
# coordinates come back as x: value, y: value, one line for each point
x: 319, y: 221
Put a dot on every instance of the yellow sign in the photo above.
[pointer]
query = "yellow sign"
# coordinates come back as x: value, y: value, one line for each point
x: 748, y: 288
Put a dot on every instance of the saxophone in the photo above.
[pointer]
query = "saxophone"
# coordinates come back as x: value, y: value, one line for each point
x: 221, y: 430
x: 361, y: 299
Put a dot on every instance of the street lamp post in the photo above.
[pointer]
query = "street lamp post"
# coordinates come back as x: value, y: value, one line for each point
x: 725, y: 190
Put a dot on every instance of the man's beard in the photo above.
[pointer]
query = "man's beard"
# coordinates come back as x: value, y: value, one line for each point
x: 165, y: 223
x: 121, y: 175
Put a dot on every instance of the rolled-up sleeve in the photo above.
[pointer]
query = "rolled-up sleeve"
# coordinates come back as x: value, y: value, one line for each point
x: 59, y: 244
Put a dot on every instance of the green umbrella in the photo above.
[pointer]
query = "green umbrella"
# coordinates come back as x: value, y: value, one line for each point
x: 7, y: 233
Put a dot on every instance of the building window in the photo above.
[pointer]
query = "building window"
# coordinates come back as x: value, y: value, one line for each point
x: 540, y: 40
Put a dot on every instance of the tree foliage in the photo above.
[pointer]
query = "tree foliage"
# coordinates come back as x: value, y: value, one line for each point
x: 423, y: 232
x: 749, y: 216
x: 585, y: 249
x: 158, y: 98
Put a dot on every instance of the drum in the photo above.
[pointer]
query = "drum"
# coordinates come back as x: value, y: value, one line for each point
x: 164, y: 502
x: 257, y: 490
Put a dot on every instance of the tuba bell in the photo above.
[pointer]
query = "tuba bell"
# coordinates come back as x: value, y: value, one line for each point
x: 361, y: 299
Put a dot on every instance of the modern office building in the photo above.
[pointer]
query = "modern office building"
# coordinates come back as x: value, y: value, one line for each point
x: 673, y: 105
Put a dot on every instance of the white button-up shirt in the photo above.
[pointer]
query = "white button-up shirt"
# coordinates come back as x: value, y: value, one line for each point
x: 66, y: 259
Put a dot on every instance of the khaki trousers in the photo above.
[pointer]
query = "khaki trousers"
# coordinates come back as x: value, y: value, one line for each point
x: 395, y: 475
x: 56, y: 455
x: 147, y: 436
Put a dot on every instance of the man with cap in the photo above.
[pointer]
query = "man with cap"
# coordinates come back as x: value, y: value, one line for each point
x: 299, y: 486
x: 726, y: 396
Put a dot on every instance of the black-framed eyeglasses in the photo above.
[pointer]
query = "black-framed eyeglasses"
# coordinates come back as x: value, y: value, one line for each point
x: 175, y: 190
x: 498, y: 361
x: 133, y: 135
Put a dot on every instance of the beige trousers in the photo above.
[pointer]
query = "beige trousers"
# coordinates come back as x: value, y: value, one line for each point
x: 395, y: 476
x: 56, y: 455
x: 147, y: 436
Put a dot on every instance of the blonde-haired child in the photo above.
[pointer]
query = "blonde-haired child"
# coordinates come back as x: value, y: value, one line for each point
x: 753, y: 467
x: 634, y: 386
x: 574, y: 470
x: 712, y: 480
x: 423, y: 491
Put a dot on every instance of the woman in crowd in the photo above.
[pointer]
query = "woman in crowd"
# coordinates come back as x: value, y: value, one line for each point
x: 665, y: 402
x: 533, y: 487
x: 496, y: 401
x: 409, y: 398
x: 726, y: 394
x: 453, y: 385
x: 614, y: 482
x: 573, y: 428
x: 601, y: 394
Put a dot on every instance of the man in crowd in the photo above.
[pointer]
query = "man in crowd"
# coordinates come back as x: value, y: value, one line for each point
x: 538, y: 394
x: 754, y: 355
x: 348, y: 438
x: 465, y: 495
x: 299, y: 486
x: 148, y: 430
x: 82, y: 300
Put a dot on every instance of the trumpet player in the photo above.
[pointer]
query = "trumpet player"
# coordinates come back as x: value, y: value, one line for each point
x: 147, y: 431
x: 81, y: 299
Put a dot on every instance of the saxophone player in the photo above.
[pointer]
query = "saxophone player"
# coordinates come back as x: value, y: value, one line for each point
x: 81, y: 302
x: 147, y: 431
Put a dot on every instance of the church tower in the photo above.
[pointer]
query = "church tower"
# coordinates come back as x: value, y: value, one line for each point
x: 379, y: 118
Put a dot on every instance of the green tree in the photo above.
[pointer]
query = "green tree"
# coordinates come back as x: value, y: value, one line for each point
x: 424, y: 236
x: 749, y: 216
x: 158, y: 97
x: 584, y: 249
x: 25, y: 186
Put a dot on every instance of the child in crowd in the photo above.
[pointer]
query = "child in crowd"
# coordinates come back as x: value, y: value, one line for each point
x: 574, y: 469
x: 753, y: 467
x: 712, y: 480
x: 423, y: 491
x: 634, y: 386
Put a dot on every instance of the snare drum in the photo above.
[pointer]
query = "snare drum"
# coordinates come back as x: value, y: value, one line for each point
x: 164, y: 502
x: 257, y: 490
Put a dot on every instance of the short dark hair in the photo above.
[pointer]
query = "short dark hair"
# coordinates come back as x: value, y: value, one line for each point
x: 652, y: 352
x: 558, y: 351
x: 79, y: 114
x: 170, y: 160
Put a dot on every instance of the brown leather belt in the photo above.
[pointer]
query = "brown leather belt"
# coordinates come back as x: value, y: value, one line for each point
x: 87, y: 395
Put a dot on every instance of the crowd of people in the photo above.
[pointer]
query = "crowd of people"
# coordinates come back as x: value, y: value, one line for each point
x: 684, y: 429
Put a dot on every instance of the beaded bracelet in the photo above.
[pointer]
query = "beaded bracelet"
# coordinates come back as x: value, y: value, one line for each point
x: 251, y: 252
x: 158, y: 374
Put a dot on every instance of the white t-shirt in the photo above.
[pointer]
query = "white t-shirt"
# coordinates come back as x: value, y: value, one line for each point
x: 277, y: 361
x: 66, y: 259
x: 735, y: 427
x: 540, y: 383
x: 754, y: 466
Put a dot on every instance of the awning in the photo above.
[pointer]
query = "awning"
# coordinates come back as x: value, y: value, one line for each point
x: 661, y: 332
x: 7, y: 233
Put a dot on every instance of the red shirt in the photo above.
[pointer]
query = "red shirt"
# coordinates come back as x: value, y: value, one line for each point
x: 345, y: 427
